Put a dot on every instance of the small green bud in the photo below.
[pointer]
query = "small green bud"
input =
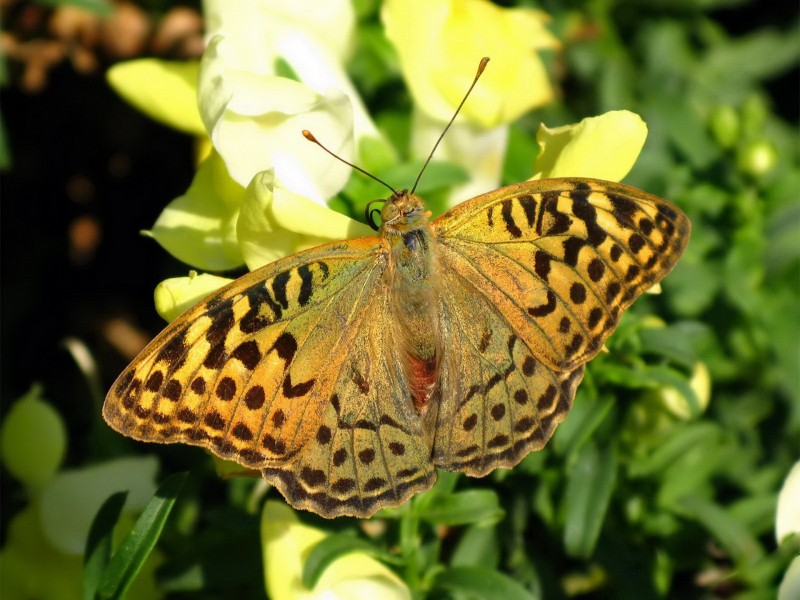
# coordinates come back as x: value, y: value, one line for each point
x: 757, y: 158
x: 754, y: 115
x: 33, y: 439
x: 725, y: 125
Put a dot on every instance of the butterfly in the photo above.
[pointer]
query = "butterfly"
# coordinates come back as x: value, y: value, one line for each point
x: 347, y: 373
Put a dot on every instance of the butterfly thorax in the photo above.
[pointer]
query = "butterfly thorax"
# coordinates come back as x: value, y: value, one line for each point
x: 412, y: 277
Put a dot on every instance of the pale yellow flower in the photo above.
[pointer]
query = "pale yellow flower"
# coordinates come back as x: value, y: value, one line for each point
x: 255, y: 123
x: 175, y: 295
x: 287, y: 543
x: 700, y: 384
x: 199, y: 227
x: 165, y: 91
x: 787, y: 517
x: 290, y: 221
x: 604, y: 147
x: 440, y: 42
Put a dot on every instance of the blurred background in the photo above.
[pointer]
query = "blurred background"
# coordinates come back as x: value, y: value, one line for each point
x: 83, y: 172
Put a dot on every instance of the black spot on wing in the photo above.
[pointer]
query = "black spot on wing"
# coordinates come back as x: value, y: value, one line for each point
x: 279, y: 283
x: 587, y: 213
x: 544, y: 309
x: 508, y: 218
x: 263, y: 310
x: 306, y: 284
x: 528, y: 205
x: 221, y: 322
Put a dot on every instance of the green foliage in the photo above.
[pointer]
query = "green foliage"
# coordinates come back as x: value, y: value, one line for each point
x: 633, y: 498
x: 112, y: 575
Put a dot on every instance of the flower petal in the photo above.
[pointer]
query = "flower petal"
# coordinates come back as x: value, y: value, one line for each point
x: 440, y: 52
x: 286, y: 544
x: 276, y: 222
x: 72, y: 498
x: 604, y: 147
x: 256, y: 123
x: 175, y: 296
x: 165, y: 91
x: 787, y: 518
x: 199, y: 227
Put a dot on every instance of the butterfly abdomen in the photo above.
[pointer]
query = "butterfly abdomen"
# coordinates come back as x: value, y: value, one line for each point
x: 413, y: 280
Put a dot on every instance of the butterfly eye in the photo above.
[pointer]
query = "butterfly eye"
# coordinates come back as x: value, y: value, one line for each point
x: 389, y: 212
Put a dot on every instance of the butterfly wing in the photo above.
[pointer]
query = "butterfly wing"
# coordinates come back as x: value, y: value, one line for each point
x: 549, y: 267
x: 287, y: 370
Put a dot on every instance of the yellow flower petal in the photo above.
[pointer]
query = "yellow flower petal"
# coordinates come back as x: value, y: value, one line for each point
x: 175, y: 296
x: 440, y: 42
x: 604, y: 147
x: 256, y: 122
x: 787, y: 517
x: 275, y: 222
x: 287, y: 544
x: 199, y: 227
x: 165, y: 91
x: 677, y: 403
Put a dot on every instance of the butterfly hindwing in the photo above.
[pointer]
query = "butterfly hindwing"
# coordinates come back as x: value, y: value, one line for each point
x: 498, y: 403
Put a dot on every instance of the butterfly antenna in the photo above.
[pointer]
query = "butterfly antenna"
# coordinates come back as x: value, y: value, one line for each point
x: 310, y: 137
x: 481, y: 67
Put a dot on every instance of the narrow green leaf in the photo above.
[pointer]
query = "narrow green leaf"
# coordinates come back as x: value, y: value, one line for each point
x: 584, y: 419
x: 478, y: 546
x: 333, y: 547
x: 724, y: 527
x: 480, y: 583
x: 469, y: 506
x: 589, y: 488
x: 137, y: 545
x: 680, y: 442
x: 669, y: 342
x: 100, y: 542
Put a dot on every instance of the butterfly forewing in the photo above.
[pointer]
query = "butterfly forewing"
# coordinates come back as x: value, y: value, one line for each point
x: 561, y: 259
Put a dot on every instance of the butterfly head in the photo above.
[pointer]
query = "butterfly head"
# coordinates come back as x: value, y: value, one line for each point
x: 403, y: 210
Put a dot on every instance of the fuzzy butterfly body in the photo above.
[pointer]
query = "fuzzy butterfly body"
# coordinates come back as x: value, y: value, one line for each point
x: 348, y: 372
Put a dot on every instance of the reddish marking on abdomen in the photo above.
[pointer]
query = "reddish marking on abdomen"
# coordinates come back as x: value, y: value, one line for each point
x: 422, y: 375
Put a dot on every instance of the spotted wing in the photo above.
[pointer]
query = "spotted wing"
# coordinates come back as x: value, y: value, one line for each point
x: 548, y: 268
x: 287, y: 370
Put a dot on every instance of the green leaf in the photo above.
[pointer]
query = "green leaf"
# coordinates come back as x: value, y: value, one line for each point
x: 470, y: 506
x: 331, y: 548
x: 589, y: 488
x: 725, y: 528
x: 677, y: 445
x: 584, y: 419
x: 669, y: 342
x: 137, y: 545
x: 478, y: 546
x: 480, y: 583
x: 100, y: 542
x: 760, y: 55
